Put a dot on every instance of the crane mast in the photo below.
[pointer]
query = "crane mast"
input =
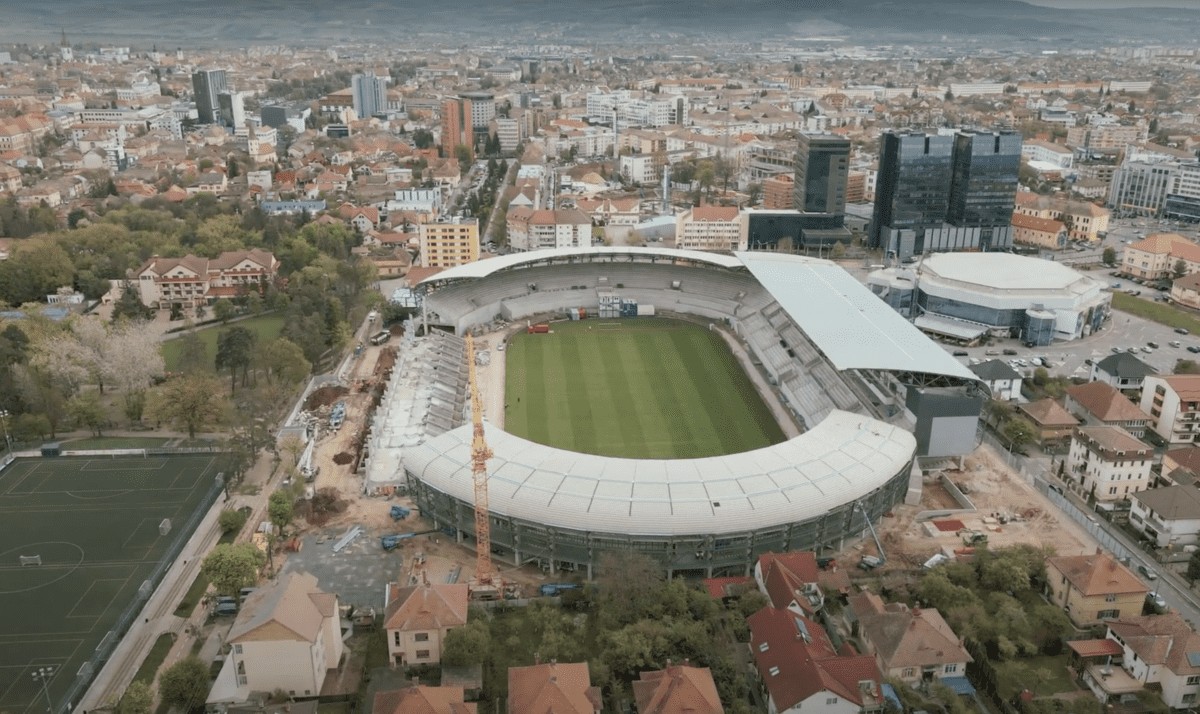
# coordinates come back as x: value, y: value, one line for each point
x: 485, y: 572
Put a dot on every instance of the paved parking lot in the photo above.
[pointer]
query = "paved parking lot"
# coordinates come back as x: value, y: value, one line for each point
x: 357, y: 575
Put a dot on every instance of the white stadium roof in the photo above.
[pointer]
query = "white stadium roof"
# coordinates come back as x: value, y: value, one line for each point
x: 850, y: 325
x: 843, y: 458
x: 487, y: 266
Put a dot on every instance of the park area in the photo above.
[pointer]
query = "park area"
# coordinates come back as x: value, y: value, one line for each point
x: 81, y: 536
x: 265, y: 327
x: 640, y: 388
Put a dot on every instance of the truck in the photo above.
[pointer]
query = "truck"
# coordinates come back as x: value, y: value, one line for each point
x: 380, y: 337
x: 552, y: 589
x: 399, y: 513
x: 392, y: 542
x: 970, y: 537
x: 870, y: 562
x: 540, y: 328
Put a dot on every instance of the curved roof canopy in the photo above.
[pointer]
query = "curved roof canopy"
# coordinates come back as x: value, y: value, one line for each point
x: 845, y: 457
x: 488, y: 266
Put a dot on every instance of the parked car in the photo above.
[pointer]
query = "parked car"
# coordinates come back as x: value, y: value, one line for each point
x: 1147, y: 573
x: 961, y: 353
x: 1193, y: 349
x: 1010, y: 351
x: 1181, y: 330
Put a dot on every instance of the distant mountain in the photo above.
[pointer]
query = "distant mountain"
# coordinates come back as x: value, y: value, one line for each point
x: 241, y: 22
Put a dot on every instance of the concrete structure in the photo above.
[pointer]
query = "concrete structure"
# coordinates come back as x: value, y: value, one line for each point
x: 1094, y: 588
x: 641, y: 168
x: 802, y: 672
x: 822, y: 167
x: 447, y: 243
x: 1045, y: 152
x: 417, y: 619
x: 559, y: 687
x: 1158, y: 257
x: 483, y: 108
x: 533, y: 229
x: 1100, y: 404
x: 912, y: 645
x: 287, y: 636
x: 778, y: 192
x: 232, y: 109
x: 457, y: 127
x: 1168, y: 516
x: 677, y: 689
x: 1108, y: 463
x: 369, y: 94
x: 1173, y: 402
x: 207, y: 84
x: 1140, y: 188
x: 718, y: 228
x: 1009, y: 295
x: 190, y: 281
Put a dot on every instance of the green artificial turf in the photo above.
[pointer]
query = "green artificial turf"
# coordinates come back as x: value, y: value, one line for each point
x: 647, y: 388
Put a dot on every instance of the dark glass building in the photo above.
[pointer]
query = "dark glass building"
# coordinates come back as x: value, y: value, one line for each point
x: 822, y: 170
x: 206, y: 85
x: 983, y: 187
x: 912, y: 189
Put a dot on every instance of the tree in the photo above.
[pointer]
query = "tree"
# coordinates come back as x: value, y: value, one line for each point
x: 1193, y: 568
x: 467, y: 645
x: 422, y: 138
x: 233, y: 566
x: 1180, y: 269
x: 629, y: 585
x: 193, y: 402
x: 137, y: 699
x: 87, y: 410
x: 284, y: 361
x: 231, y: 521
x: 193, y: 354
x: 36, y: 268
x: 224, y: 311
x: 1109, y: 257
x: 235, y: 351
x: 753, y: 193
x: 280, y: 508
x: 1186, y: 366
x: 1019, y: 432
x: 185, y: 685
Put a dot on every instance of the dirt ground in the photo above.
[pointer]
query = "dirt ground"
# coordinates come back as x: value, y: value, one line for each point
x: 1008, y: 509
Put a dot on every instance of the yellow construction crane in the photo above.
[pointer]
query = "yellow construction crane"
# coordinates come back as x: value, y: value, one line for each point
x: 485, y: 573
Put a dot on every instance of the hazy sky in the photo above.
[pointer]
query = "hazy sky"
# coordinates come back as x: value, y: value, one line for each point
x: 1110, y: 4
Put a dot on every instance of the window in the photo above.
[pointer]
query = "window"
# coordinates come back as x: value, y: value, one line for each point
x: 1188, y: 698
x: 1108, y: 614
x: 774, y: 671
x: 909, y: 672
x: 237, y: 649
x: 421, y: 637
x: 830, y: 701
x: 950, y: 669
x: 422, y: 654
x: 1193, y: 680
x: 396, y: 638
x: 1110, y: 598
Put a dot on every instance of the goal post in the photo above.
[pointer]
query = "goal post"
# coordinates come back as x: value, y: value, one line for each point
x: 30, y: 559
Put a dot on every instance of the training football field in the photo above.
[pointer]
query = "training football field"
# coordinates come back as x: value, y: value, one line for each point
x: 647, y: 388
x: 95, y: 524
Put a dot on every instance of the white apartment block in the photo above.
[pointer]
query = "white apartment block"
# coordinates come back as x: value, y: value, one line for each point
x: 719, y: 228
x: 530, y: 229
x: 1108, y: 462
x: 1173, y: 403
x: 1046, y: 153
x: 641, y: 168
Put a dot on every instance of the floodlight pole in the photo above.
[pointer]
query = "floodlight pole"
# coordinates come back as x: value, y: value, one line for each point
x: 43, y: 675
x: 4, y: 422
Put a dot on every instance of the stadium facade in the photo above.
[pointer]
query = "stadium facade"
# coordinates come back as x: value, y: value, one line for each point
x: 869, y: 391
x: 965, y: 296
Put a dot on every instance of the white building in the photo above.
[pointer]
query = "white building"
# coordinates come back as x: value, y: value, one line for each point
x: 1108, y: 462
x: 1173, y: 403
x: 530, y: 229
x: 640, y: 168
x: 1169, y: 516
x: 710, y: 228
x: 508, y: 133
x: 369, y: 94
x: 286, y: 637
x: 1043, y: 152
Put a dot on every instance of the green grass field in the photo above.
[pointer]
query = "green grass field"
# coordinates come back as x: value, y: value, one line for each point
x: 1160, y: 312
x: 647, y: 388
x: 267, y: 327
x: 95, y: 523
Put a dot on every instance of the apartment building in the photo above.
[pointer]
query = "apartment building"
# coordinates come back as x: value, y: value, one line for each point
x: 1173, y: 402
x: 531, y: 229
x: 1044, y: 233
x: 1084, y: 221
x: 1157, y: 256
x: 1108, y: 137
x: 777, y: 192
x: 1094, y: 588
x: 1044, y: 153
x: 22, y: 133
x: 1108, y: 463
x: 1168, y: 516
x: 447, y: 243
x: 710, y: 228
x: 190, y: 281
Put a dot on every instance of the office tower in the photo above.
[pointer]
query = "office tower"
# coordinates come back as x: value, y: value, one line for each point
x: 456, y: 125
x: 206, y: 85
x: 1140, y: 187
x: 983, y: 185
x: 483, y: 108
x: 369, y: 93
x: 231, y: 109
x: 912, y: 191
x: 822, y: 167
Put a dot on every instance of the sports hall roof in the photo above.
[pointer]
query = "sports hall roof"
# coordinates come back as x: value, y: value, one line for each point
x: 487, y: 266
x: 850, y: 325
x: 843, y: 458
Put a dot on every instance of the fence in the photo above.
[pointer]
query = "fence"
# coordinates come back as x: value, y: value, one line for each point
x: 87, y: 672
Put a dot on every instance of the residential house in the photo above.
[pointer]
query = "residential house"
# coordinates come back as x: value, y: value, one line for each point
x: 1003, y: 381
x: 362, y: 219
x: 677, y: 689
x: 611, y: 211
x: 1053, y: 422
x: 1108, y: 463
x: 1084, y: 221
x: 553, y: 688
x: 1159, y: 256
x: 789, y: 580
x: 1094, y: 588
x: 1123, y: 371
x: 912, y: 645
x: 1180, y: 466
x: 1097, y: 403
x: 1173, y: 401
x: 192, y: 281
x: 710, y: 228
x: 1186, y: 291
x: 1168, y: 516
x: 1157, y: 649
x: 1044, y: 233
x: 417, y: 620
x: 286, y: 637
x: 214, y: 182
x: 419, y: 699
x: 532, y: 229
x: 801, y: 670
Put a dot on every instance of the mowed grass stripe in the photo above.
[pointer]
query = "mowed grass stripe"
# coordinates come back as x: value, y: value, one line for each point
x: 743, y: 418
x: 579, y: 424
x: 628, y: 422
x: 698, y: 360
x: 668, y: 400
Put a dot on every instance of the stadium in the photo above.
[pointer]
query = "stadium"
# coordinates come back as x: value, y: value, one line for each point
x: 861, y: 393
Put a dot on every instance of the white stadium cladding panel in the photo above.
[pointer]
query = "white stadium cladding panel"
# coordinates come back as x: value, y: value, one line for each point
x: 709, y: 516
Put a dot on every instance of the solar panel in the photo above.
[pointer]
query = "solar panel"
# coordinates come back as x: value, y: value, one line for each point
x: 802, y: 628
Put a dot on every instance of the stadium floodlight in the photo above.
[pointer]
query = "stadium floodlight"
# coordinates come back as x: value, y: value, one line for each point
x: 4, y: 423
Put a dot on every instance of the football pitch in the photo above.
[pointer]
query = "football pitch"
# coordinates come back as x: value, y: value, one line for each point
x: 95, y: 523
x: 646, y: 388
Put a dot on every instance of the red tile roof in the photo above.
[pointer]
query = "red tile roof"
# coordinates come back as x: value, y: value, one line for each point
x: 677, y: 690
x: 786, y: 575
x: 714, y: 213
x: 1095, y: 648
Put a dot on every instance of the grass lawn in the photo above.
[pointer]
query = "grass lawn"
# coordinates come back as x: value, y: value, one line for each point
x: 154, y: 659
x: 267, y: 327
x: 1160, y: 312
x: 116, y: 442
x: 647, y: 388
x: 1043, y: 675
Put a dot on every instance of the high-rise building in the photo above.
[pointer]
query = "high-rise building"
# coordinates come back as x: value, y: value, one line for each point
x: 231, y: 109
x: 370, y: 94
x: 483, y: 108
x: 945, y: 192
x: 822, y: 166
x: 445, y: 244
x: 983, y: 184
x: 1141, y: 187
x: 207, y: 84
x: 457, y: 128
